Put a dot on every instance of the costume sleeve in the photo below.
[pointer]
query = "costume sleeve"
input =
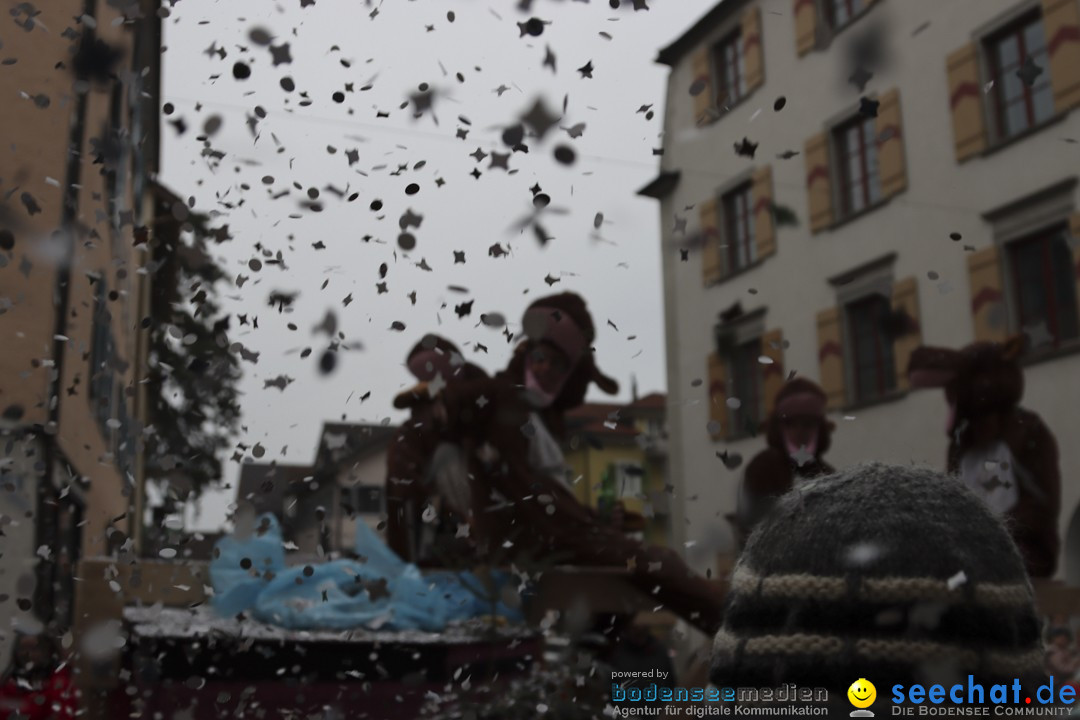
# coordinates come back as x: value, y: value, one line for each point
x: 400, y: 480
x: 767, y: 477
x: 1036, y: 517
x: 470, y: 406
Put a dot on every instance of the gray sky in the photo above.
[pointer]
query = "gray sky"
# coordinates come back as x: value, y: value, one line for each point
x: 616, y: 268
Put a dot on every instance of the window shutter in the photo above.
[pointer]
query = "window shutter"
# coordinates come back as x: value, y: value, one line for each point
x: 712, y: 267
x: 1074, y: 243
x: 890, y: 145
x: 764, y: 223
x: 831, y: 356
x: 805, y: 26
x: 1061, y: 20
x: 818, y: 186
x: 965, y: 102
x: 703, y: 101
x: 718, y: 411
x: 772, y: 374
x: 905, y: 299
x: 987, y: 306
x: 753, y: 56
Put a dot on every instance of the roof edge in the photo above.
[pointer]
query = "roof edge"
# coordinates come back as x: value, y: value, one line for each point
x: 678, y: 48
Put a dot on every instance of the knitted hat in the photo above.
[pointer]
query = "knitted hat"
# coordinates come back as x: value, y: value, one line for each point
x: 889, y: 573
x: 564, y: 321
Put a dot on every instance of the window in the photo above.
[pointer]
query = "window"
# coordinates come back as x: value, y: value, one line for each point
x: 116, y: 151
x: 627, y: 477
x: 730, y: 73
x: 368, y: 499
x: 1041, y: 274
x: 739, y: 228
x: 654, y: 427
x: 873, y: 367
x: 858, y: 174
x: 841, y: 12
x: 745, y: 387
x: 1011, y: 54
x: 101, y: 359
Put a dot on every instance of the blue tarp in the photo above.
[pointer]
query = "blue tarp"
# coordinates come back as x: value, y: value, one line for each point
x: 382, y: 591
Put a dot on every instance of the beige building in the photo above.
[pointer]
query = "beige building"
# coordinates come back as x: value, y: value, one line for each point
x: 319, y: 505
x: 80, y: 120
x: 954, y: 199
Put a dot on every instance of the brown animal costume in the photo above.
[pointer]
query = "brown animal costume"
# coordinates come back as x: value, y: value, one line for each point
x: 1005, y: 453
x: 797, y: 436
x: 510, y: 426
x: 408, y: 487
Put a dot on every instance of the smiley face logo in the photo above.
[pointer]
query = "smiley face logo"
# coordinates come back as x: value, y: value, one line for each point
x: 862, y: 693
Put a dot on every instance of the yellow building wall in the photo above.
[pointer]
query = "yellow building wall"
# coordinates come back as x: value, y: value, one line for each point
x: 590, y: 464
x: 578, y: 462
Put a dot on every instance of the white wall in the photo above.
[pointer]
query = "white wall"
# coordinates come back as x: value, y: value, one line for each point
x: 942, y: 197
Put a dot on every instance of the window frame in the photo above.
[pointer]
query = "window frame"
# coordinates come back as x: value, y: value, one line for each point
x: 875, y: 277
x: 742, y: 194
x: 622, y: 479
x: 885, y: 369
x: 826, y: 30
x: 740, y: 331
x: 995, y: 110
x: 731, y: 39
x: 376, y: 495
x: 829, y: 13
x: 101, y: 384
x: 737, y: 429
x: 841, y: 200
x: 1037, y: 212
x: 1044, y: 236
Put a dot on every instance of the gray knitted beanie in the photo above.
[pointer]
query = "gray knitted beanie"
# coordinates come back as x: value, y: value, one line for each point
x: 879, y: 572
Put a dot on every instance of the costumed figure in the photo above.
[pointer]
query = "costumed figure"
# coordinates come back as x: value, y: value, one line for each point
x: 510, y: 428
x: 1003, y: 452
x: 410, y: 491
x: 797, y: 436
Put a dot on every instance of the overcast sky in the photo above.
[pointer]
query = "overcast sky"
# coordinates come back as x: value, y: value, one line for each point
x: 270, y: 141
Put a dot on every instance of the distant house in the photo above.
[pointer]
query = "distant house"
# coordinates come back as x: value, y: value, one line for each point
x: 274, y: 488
x: 350, y: 469
x: 617, y: 453
x: 318, y: 505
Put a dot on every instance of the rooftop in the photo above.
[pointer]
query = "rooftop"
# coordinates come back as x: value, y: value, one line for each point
x: 264, y: 484
x: 683, y: 44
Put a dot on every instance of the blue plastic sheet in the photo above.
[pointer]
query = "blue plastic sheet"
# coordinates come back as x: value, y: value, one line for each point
x: 381, y: 591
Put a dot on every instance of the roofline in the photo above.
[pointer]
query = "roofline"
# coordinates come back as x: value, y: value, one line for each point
x: 662, y: 185
x: 678, y: 48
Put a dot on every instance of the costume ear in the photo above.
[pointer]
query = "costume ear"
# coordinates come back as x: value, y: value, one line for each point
x: 1012, y: 348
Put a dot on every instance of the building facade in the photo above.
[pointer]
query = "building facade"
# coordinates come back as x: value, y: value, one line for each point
x: 843, y: 180
x: 80, y: 119
x: 617, y: 454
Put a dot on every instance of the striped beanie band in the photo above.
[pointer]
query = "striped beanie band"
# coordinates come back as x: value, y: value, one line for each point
x: 890, y: 573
